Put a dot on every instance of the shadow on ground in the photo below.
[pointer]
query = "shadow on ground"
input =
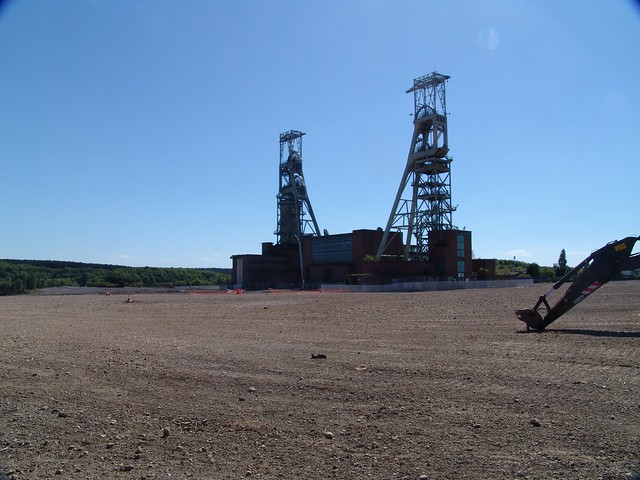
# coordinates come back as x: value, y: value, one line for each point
x: 595, y: 333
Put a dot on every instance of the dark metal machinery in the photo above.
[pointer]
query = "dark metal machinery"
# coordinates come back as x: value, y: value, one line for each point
x: 589, y: 275
x: 295, y: 215
x: 427, y: 174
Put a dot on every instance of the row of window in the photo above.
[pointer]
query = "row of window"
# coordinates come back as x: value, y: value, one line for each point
x: 460, y: 248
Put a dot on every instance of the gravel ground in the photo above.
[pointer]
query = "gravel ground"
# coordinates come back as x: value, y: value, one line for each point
x: 435, y: 385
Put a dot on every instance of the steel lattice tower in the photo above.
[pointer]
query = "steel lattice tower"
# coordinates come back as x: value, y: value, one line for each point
x: 295, y: 215
x: 426, y: 181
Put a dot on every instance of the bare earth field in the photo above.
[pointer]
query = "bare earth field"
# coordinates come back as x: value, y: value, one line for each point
x: 438, y: 385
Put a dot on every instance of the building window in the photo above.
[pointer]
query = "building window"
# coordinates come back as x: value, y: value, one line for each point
x: 460, y: 245
x: 332, y: 248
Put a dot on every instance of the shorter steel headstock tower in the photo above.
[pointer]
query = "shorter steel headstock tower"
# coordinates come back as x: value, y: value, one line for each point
x: 295, y: 215
x: 427, y: 176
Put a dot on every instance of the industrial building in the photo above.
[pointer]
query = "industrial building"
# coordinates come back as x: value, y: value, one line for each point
x: 419, y: 242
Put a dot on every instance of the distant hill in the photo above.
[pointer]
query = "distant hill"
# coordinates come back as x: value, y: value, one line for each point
x: 19, y: 276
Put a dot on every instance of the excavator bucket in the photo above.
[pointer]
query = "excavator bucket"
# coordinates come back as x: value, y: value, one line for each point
x: 531, y: 317
x: 586, y: 277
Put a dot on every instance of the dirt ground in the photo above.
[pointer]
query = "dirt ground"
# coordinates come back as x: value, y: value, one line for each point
x: 435, y: 385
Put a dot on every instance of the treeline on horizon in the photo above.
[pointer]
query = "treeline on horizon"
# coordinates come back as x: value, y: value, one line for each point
x: 516, y: 267
x: 20, y: 276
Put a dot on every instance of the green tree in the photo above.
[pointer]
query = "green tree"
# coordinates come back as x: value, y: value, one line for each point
x: 83, y: 279
x: 17, y: 285
x: 482, y: 273
x: 547, y: 272
x: 561, y: 269
x: 533, y: 270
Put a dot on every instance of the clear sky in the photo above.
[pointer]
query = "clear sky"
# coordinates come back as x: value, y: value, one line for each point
x: 146, y: 132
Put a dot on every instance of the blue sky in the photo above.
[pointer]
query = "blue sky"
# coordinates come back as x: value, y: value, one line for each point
x: 145, y: 132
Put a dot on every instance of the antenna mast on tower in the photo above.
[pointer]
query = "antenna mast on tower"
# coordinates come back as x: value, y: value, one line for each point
x: 426, y: 181
x: 295, y: 215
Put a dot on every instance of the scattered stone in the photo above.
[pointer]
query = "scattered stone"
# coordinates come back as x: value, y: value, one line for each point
x: 242, y: 399
x: 166, y: 432
x: 328, y: 435
x: 535, y: 422
x: 318, y: 356
x: 124, y: 468
x: 63, y: 414
x: 252, y: 389
x: 423, y: 477
x: 110, y: 445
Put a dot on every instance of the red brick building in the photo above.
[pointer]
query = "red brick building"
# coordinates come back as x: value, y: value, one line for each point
x: 350, y: 258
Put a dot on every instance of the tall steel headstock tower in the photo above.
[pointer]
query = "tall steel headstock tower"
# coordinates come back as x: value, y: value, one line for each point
x: 295, y: 215
x: 423, y: 201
